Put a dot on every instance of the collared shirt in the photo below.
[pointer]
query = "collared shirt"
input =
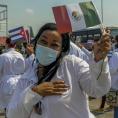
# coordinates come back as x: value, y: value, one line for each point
x: 12, y: 64
x: 82, y: 79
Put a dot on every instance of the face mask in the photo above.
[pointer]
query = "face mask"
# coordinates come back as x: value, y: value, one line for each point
x: 45, y: 55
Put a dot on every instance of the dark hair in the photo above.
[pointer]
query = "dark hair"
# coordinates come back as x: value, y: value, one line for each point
x: 9, y: 43
x: 52, y: 27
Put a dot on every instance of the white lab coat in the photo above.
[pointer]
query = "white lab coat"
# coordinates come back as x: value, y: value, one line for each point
x: 72, y: 104
x: 12, y: 64
x: 75, y: 50
x: 88, y: 53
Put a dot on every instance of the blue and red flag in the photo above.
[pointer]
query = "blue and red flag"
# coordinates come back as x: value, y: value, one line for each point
x: 18, y: 34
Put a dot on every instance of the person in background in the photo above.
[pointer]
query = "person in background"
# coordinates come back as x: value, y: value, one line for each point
x: 60, y: 82
x: 12, y: 65
x: 75, y: 50
x: 113, y: 43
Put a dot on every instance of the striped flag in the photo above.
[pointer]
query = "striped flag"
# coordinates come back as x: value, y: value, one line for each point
x: 74, y: 17
x: 18, y: 34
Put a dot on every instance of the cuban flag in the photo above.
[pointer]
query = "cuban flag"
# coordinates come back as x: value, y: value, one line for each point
x: 18, y: 34
x: 74, y: 17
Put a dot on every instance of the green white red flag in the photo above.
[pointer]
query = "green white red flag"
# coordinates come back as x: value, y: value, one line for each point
x: 74, y: 17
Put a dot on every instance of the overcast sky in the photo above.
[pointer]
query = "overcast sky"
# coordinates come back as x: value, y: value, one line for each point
x: 38, y: 12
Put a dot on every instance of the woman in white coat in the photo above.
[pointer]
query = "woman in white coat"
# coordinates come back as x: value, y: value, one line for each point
x: 44, y: 93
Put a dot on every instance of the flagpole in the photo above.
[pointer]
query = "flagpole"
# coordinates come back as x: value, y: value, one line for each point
x: 102, y: 17
x: 6, y: 20
x: 102, y: 9
x: 29, y: 35
x: 101, y: 26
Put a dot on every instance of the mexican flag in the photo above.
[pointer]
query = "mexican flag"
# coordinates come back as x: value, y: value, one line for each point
x: 74, y: 17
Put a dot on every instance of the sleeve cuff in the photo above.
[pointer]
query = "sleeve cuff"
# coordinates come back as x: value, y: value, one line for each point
x: 31, y: 98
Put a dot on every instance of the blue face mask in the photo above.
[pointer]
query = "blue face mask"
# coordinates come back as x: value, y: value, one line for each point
x: 45, y: 55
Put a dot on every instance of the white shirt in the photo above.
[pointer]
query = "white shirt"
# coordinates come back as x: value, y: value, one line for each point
x: 75, y: 50
x: 115, y: 50
x: 88, y: 53
x: 72, y: 104
x: 12, y: 64
x: 113, y: 65
x: 29, y: 62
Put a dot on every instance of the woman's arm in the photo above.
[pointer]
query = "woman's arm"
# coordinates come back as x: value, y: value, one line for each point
x: 95, y: 80
x: 89, y: 81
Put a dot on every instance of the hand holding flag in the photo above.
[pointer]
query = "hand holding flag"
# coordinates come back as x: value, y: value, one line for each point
x: 102, y: 47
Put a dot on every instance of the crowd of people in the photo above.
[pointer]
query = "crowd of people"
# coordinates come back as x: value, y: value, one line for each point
x: 56, y: 77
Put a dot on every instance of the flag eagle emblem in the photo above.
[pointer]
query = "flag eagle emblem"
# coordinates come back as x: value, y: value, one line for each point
x: 76, y: 16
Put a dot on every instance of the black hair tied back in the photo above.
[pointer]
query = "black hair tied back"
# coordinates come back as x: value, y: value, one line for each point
x: 65, y: 43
